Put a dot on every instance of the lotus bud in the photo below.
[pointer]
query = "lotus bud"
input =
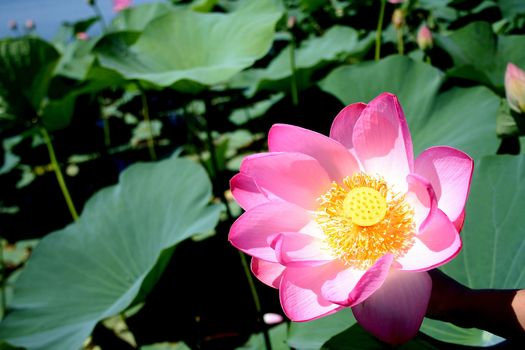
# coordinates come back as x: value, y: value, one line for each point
x: 515, y: 88
x: 11, y: 24
x: 396, y: 1
x: 82, y: 36
x: 30, y: 24
x: 424, y: 38
x: 119, y: 5
x: 398, y: 18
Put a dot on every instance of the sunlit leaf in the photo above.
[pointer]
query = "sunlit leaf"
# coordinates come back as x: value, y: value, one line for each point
x: 356, y: 338
x: 277, y: 339
x: 135, y: 18
x: 493, y: 253
x: 313, y: 334
x: 187, y: 50
x: 334, y: 46
x: 95, y: 267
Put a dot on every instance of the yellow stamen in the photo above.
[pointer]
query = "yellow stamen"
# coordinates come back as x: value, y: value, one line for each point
x: 363, y: 220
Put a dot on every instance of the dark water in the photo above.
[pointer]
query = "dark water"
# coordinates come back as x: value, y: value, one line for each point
x: 49, y: 14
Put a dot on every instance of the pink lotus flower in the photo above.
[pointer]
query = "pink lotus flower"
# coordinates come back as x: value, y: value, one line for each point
x: 82, y: 36
x: 119, y: 5
x: 351, y: 220
x: 424, y: 38
x: 515, y: 88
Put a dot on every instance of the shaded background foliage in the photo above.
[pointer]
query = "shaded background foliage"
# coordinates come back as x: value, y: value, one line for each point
x: 133, y: 111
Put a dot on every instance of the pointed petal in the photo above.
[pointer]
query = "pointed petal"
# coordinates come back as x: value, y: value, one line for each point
x: 245, y: 191
x: 300, y: 292
x: 300, y: 250
x: 292, y: 177
x: 450, y: 172
x: 395, y: 311
x: 382, y: 141
x: 434, y: 246
x: 351, y: 286
x: 343, y: 124
x: 267, y: 272
x: 332, y: 156
x: 254, y: 231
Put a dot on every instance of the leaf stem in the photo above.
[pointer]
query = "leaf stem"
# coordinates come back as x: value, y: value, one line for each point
x: 3, y: 301
x: 379, y: 30
x: 295, y: 92
x: 400, y: 42
x: 222, y: 197
x: 58, y: 173
x: 145, y: 114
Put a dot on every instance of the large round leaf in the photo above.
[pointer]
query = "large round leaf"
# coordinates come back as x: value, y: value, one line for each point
x: 337, y: 44
x: 463, y: 118
x: 135, y: 18
x: 185, y: 49
x: 493, y: 253
x: 26, y: 68
x: 313, y: 334
x: 95, y: 267
x: 482, y: 56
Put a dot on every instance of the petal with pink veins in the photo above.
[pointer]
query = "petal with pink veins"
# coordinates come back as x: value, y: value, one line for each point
x: 382, y: 141
x: 300, y: 291
x: 333, y: 157
x: 254, y: 231
x: 293, y: 177
x: 395, y: 311
x: 297, y: 249
x: 422, y: 198
x: 269, y: 273
x: 450, y: 172
x: 343, y: 124
x: 245, y: 191
x: 351, y: 286
x: 434, y: 246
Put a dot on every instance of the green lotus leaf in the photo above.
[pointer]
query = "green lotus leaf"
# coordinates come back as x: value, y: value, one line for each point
x: 482, y: 56
x: 492, y: 254
x: 337, y: 44
x: 94, y: 268
x: 26, y: 68
x: 463, y: 118
x: 188, y: 50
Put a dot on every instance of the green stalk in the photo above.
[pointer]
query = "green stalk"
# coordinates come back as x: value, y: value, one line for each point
x: 295, y: 93
x: 58, y: 173
x: 400, y: 42
x: 2, y: 279
x: 246, y: 268
x: 145, y: 113
x: 97, y: 11
x: 379, y: 30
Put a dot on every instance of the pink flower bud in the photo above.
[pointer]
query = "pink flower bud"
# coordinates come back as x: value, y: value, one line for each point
x: 30, y: 24
x: 119, y: 5
x: 11, y: 24
x: 424, y: 38
x: 396, y: 1
x: 82, y: 36
x: 515, y: 88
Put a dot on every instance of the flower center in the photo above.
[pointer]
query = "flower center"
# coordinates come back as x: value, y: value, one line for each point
x: 362, y: 220
x: 365, y: 206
